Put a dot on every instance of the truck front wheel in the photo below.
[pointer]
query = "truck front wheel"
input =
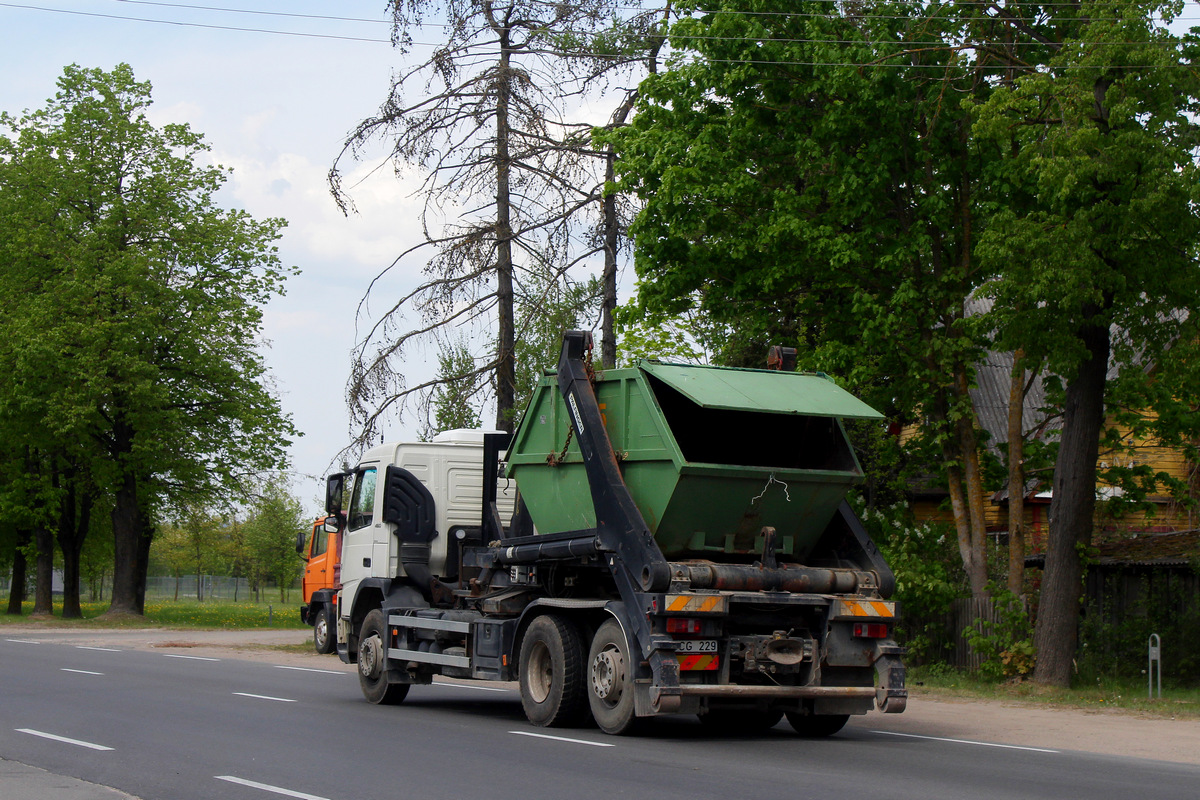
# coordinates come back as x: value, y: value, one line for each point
x: 552, y: 679
x: 323, y: 642
x: 372, y: 662
x: 610, y: 680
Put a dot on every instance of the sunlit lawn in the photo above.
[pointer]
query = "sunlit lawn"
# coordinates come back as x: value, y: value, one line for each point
x: 175, y: 614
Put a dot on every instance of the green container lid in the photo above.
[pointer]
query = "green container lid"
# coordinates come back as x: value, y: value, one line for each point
x: 711, y: 455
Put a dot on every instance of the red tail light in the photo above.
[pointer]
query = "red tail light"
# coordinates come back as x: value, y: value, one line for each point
x: 682, y: 625
x: 870, y: 630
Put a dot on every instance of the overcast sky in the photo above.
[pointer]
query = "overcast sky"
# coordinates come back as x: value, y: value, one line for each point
x: 276, y: 109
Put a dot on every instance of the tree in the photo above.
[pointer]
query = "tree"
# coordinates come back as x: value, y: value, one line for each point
x: 138, y: 305
x: 493, y: 135
x: 275, y: 519
x: 1095, y: 245
x: 808, y: 178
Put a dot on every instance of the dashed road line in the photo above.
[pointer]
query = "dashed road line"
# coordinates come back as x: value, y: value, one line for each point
x: 23, y: 641
x: 104, y: 649
x: 190, y: 658
x: 311, y: 669
x: 64, y: 739
x: 469, y: 686
x: 81, y: 671
x: 968, y: 741
x: 562, y: 739
x: 266, y: 787
x: 264, y: 697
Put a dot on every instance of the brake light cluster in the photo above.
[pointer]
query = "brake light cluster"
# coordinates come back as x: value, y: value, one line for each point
x: 870, y: 630
x: 682, y: 625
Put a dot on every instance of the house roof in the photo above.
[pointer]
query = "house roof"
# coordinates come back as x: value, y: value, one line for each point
x: 1176, y: 549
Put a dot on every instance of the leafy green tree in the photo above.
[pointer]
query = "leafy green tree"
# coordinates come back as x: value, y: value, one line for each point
x: 276, y: 516
x: 455, y: 399
x: 138, y: 306
x: 1094, y: 247
x: 807, y: 179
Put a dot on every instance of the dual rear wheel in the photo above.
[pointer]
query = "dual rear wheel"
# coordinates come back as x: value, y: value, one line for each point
x: 561, y: 683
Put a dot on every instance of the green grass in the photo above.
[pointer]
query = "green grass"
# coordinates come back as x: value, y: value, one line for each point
x: 174, y: 614
x: 1107, y: 694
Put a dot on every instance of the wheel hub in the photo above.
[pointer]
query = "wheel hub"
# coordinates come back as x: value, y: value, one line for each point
x: 607, y: 674
x: 369, y: 652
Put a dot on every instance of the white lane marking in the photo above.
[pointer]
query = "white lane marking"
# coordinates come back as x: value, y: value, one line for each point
x: 81, y: 671
x: 562, y: 739
x: 45, y: 735
x: 266, y: 787
x: 104, y: 649
x: 968, y: 741
x: 265, y: 697
x: 310, y: 669
x: 190, y: 658
x: 22, y: 641
x: 469, y: 686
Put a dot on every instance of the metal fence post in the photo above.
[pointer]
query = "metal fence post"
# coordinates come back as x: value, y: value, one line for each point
x: 1155, y: 658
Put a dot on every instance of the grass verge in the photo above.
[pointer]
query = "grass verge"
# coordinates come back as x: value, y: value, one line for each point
x: 173, y: 614
x: 1106, y: 695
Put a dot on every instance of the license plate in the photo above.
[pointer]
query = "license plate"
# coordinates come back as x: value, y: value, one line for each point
x: 696, y: 646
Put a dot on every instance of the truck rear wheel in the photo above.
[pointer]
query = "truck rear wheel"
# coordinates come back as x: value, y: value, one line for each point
x: 817, y: 726
x: 323, y: 642
x: 610, y: 680
x: 552, y: 673
x: 372, y: 663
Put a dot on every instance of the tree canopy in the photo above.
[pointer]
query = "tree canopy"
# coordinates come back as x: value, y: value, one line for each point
x: 131, y: 311
x: 851, y: 179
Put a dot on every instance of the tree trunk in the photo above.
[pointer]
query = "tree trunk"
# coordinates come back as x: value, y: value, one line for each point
x: 1072, y: 511
x: 506, y: 338
x: 43, y: 595
x: 17, y: 588
x: 127, y: 526
x: 608, y: 303
x: 1016, y: 475
x: 74, y: 521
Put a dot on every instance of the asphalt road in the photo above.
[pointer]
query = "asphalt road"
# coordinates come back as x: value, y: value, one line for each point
x: 171, y: 727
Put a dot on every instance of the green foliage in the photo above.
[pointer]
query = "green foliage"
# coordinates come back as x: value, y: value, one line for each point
x: 928, y: 580
x: 130, y: 315
x: 454, y: 400
x: 1005, y: 645
x: 276, y: 517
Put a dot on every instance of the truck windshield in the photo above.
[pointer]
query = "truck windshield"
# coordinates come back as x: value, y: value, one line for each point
x: 362, y: 503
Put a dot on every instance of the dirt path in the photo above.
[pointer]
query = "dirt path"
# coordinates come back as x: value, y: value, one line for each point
x: 1026, y: 725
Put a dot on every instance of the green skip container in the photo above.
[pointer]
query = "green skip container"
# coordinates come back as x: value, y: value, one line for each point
x: 711, y: 455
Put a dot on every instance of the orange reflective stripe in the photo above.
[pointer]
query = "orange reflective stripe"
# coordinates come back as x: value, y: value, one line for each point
x: 699, y: 662
x: 696, y: 603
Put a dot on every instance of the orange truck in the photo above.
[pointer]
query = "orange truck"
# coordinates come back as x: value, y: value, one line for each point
x: 321, y: 549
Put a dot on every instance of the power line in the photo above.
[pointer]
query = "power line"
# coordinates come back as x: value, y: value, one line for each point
x: 73, y: 12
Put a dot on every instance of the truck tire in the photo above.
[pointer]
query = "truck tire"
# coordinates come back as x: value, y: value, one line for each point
x: 323, y: 642
x: 552, y: 673
x: 610, y: 680
x: 372, y: 663
x: 817, y: 726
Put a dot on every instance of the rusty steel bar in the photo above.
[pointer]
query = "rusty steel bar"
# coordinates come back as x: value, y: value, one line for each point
x: 729, y: 690
x: 755, y: 578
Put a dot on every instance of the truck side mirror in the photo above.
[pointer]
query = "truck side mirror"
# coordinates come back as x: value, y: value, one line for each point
x: 334, y: 487
x: 332, y: 523
x: 301, y: 540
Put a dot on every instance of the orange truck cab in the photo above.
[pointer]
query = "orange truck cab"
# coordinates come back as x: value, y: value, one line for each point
x: 322, y: 578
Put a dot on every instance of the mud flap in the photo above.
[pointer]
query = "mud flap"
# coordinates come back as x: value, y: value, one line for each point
x: 891, y: 694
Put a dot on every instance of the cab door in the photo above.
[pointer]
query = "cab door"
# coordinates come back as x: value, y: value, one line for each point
x: 322, y: 560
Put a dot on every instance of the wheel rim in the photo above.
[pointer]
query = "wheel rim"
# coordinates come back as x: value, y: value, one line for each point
x: 540, y: 672
x: 369, y: 651
x: 322, y: 631
x: 608, y: 675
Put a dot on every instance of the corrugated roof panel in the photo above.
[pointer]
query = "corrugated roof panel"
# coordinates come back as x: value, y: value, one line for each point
x: 767, y: 391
